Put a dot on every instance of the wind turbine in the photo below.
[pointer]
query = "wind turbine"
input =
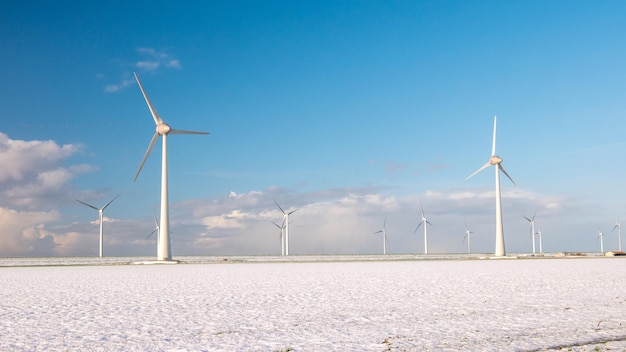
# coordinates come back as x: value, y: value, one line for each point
x: 532, y: 229
x: 286, y: 224
x: 497, y: 162
x: 384, y: 232
x: 540, y: 241
x: 468, y: 236
x: 162, y: 129
x: 618, y: 226
x: 601, y: 237
x: 424, y: 221
x: 99, y: 210
x: 282, y: 238
x: 156, y: 229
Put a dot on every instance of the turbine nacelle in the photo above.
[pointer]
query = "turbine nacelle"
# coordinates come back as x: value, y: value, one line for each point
x: 495, y: 160
x: 163, y: 128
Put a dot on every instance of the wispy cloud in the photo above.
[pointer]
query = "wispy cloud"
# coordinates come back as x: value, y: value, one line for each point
x: 149, y: 60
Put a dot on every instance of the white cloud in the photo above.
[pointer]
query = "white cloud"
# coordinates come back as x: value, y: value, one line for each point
x: 151, y: 60
x: 32, y: 180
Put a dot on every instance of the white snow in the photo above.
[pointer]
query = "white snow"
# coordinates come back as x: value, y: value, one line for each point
x: 269, y: 305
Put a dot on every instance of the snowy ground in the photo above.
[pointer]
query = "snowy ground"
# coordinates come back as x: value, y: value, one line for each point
x: 576, y: 304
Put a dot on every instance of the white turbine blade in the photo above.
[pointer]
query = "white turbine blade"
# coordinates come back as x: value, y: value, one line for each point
x: 493, y: 146
x: 378, y: 231
x: 418, y: 226
x: 89, y: 205
x: 527, y: 218
x: 156, y: 221
x: 507, y: 175
x: 275, y: 224
x: 428, y: 222
x: 614, y: 228
x: 535, y: 214
x: 111, y: 201
x: 281, y: 209
x: 154, y: 138
x: 479, y: 170
x: 292, y: 212
x: 173, y: 131
x: 155, y: 115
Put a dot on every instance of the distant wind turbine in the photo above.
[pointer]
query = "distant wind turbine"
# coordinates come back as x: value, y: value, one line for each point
x: 156, y: 229
x: 282, y: 236
x: 618, y: 226
x: 497, y: 162
x: 540, y: 241
x: 286, y: 224
x: 384, y: 232
x: 99, y: 210
x: 164, y: 251
x: 468, y: 236
x: 424, y: 222
x: 601, y: 237
x: 532, y: 229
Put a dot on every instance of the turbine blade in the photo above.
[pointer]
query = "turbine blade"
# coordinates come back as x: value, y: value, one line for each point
x: 479, y: 170
x: 614, y: 228
x: 527, y: 218
x: 173, y: 131
x: 378, y: 231
x: 292, y: 212
x: 507, y: 175
x: 156, y: 221
x: 418, y: 226
x: 534, y: 216
x: 111, y: 201
x: 281, y: 209
x: 422, y: 207
x: 89, y: 205
x: 493, y: 146
x: 150, y: 235
x: 275, y: 224
x: 155, y: 115
x: 154, y: 138
x: 428, y: 222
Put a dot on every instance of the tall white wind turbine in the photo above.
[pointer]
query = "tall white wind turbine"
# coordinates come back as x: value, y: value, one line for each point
x: 468, y: 234
x: 99, y: 210
x: 497, y: 162
x: 618, y: 226
x: 532, y: 229
x: 282, y: 236
x: 286, y: 224
x: 384, y: 232
x: 164, y: 251
x: 424, y: 222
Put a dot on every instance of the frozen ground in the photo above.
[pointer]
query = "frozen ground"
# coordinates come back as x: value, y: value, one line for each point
x: 576, y: 304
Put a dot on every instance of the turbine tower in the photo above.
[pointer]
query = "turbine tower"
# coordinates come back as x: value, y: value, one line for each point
x: 99, y: 210
x: 282, y: 236
x: 286, y: 224
x: 532, y: 229
x: 468, y: 236
x: 618, y: 226
x: 601, y: 237
x: 164, y: 251
x: 497, y: 162
x: 424, y: 222
x: 384, y: 232
x: 540, y: 241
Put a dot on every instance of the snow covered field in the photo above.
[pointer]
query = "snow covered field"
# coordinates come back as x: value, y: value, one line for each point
x: 415, y: 305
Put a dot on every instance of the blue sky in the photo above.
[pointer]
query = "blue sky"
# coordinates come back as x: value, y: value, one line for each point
x: 350, y: 111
